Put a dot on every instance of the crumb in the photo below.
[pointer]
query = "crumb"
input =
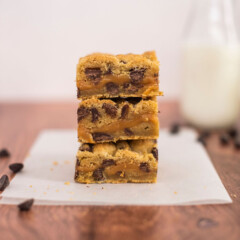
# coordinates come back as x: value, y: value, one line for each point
x: 67, y: 183
x: 87, y: 186
x: 30, y: 186
x: 51, y: 169
x: 234, y: 195
x: 205, y: 187
x: 44, y: 193
x: 70, y: 199
x: 175, y: 192
x: 102, y: 187
x: 55, y: 163
x: 71, y: 192
x: 94, y: 193
x: 57, y: 190
x: 67, y: 162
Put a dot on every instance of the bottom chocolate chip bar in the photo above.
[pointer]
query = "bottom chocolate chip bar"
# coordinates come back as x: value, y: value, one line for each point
x: 133, y: 161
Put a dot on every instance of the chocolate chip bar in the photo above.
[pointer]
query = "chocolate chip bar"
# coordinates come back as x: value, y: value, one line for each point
x: 105, y: 120
x: 110, y: 76
x: 121, y: 162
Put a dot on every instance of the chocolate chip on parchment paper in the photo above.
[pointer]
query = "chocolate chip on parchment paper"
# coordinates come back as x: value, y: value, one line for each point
x: 98, y: 174
x: 4, y: 153
x: 144, y: 167
x: 26, y: 205
x: 16, y: 167
x: 4, y: 182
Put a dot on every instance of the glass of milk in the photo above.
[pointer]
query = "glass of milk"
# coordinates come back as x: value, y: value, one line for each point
x: 211, y: 66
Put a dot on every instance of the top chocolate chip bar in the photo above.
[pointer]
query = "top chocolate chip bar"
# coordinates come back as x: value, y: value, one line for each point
x: 108, y: 76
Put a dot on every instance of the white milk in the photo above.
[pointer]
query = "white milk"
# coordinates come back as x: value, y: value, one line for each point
x: 211, y: 93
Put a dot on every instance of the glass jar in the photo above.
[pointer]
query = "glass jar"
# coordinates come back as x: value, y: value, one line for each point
x: 211, y: 66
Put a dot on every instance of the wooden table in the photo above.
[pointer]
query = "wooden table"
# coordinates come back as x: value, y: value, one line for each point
x: 19, y: 126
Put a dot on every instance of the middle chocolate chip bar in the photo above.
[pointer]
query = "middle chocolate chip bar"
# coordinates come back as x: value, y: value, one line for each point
x: 105, y: 120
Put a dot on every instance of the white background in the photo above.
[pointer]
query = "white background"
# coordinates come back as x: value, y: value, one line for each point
x: 41, y: 41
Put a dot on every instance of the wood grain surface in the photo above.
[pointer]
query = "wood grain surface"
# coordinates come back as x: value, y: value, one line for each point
x: 19, y: 126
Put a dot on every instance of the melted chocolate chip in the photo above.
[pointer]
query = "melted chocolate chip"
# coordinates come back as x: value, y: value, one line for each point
x: 100, y: 136
x: 4, y: 182
x: 144, y: 167
x: 95, y: 115
x: 4, y: 153
x: 128, y: 132
x: 224, y: 139
x: 155, y: 153
x: 78, y: 93
x: 86, y: 147
x: 137, y: 75
x: 78, y: 162
x: 112, y: 88
x: 155, y: 75
x: 98, y: 174
x: 82, y: 112
x: 26, y: 205
x: 124, y: 112
x: 16, y: 167
x: 93, y: 74
x: 108, y: 162
x: 129, y: 88
x: 110, y: 109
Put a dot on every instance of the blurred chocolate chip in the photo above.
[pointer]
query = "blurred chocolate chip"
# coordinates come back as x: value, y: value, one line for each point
x: 129, y: 88
x: 155, y: 75
x: 78, y: 162
x: 93, y: 74
x: 95, y: 114
x: 110, y: 109
x: 206, y: 223
x: 82, y: 112
x: 16, y: 167
x: 76, y: 175
x: 26, y: 205
x: 4, y: 182
x: 108, y: 162
x: 98, y: 174
x: 224, y: 139
x: 237, y: 142
x: 155, y: 153
x: 124, y: 112
x: 108, y: 72
x: 78, y: 93
x: 128, y: 132
x: 233, y: 132
x: 4, y: 153
x: 122, y: 61
x: 175, y: 128
x: 202, y: 140
x: 100, y: 136
x: 137, y: 75
x: 144, y: 167
x: 86, y: 147
x: 112, y: 88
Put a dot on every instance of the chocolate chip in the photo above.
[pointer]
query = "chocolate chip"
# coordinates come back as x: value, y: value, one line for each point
x: 78, y: 162
x: 237, y: 142
x: 108, y: 162
x: 155, y: 153
x: 26, y: 205
x: 4, y: 153
x: 233, y: 132
x: 110, y: 109
x: 86, y: 147
x: 4, y: 182
x: 144, y: 167
x: 122, y: 61
x: 129, y: 88
x: 82, y: 112
x: 124, y: 112
x: 100, y: 136
x: 78, y: 93
x: 155, y: 75
x: 108, y: 72
x: 98, y: 174
x: 94, y: 74
x: 175, y: 128
x: 95, y: 115
x: 224, y: 139
x: 16, y: 167
x: 128, y: 132
x: 137, y: 75
x: 112, y: 88
x: 76, y: 175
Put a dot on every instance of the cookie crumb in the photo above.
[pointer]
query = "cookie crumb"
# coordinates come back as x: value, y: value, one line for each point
x: 55, y: 163
x: 67, y: 183
x: 175, y: 193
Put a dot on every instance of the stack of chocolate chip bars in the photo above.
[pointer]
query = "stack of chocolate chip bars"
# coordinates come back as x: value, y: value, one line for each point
x: 117, y: 118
